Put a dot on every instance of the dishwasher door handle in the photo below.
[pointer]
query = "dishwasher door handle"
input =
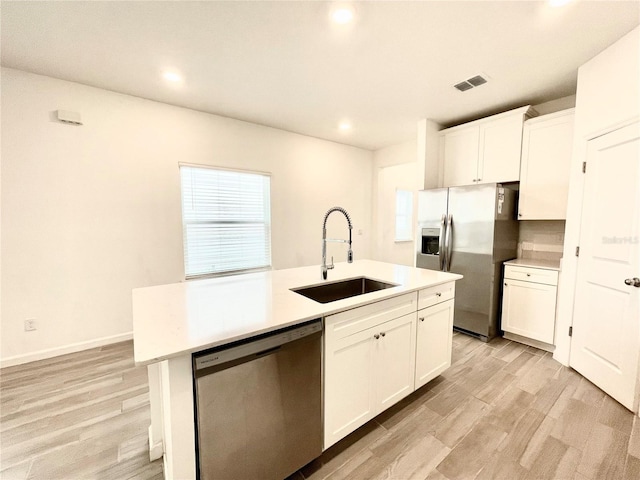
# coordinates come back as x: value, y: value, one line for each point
x: 245, y: 350
x: 268, y: 351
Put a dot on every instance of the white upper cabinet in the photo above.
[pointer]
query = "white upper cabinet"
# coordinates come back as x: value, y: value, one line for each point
x: 460, y: 150
x: 483, y: 151
x: 500, y: 146
x: 546, y: 160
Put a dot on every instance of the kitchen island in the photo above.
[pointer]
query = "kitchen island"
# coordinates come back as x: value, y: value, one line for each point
x: 171, y: 322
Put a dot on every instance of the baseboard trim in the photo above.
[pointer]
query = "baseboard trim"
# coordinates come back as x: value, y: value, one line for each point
x: 156, y: 448
x: 57, y: 351
x: 529, y: 341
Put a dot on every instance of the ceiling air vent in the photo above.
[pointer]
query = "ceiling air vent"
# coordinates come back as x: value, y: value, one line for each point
x: 463, y: 86
x: 477, y: 80
x: 469, y: 83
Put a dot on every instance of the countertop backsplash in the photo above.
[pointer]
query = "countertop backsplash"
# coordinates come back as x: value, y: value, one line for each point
x: 541, y: 239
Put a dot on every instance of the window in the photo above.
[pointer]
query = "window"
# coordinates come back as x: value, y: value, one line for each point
x: 404, y: 215
x: 226, y: 220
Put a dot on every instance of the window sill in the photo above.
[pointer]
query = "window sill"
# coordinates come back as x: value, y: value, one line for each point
x: 231, y: 273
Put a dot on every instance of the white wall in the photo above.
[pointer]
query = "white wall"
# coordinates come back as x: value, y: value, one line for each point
x: 556, y: 105
x: 394, y: 167
x: 90, y: 212
x: 429, y: 152
x: 606, y: 99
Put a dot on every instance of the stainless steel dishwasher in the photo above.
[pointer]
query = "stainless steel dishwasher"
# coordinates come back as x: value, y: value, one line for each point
x: 258, y: 405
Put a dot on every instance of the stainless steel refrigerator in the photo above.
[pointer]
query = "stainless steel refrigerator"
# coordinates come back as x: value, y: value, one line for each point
x: 469, y: 230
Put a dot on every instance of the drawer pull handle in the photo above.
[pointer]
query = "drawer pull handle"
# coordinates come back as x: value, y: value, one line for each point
x: 382, y: 333
x: 528, y: 274
x: 438, y: 294
x: 376, y: 336
x: 421, y: 319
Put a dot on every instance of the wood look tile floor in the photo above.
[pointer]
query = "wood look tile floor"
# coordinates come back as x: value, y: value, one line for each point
x: 79, y: 416
x: 502, y: 411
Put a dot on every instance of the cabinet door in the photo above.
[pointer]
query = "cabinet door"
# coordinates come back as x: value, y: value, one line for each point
x: 529, y: 309
x: 349, y: 396
x: 433, y: 342
x: 545, y: 167
x: 394, y: 360
x: 460, y: 157
x: 500, y: 146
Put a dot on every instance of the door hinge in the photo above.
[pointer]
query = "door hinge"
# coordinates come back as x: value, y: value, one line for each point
x: 577, y: 251
x: 571, y: 331
x: 584, y: 167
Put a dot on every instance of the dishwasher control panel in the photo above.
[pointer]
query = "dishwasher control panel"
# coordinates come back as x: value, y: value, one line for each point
x: 255, y: 346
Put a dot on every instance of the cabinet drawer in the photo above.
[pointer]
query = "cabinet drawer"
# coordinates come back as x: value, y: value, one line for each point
x: 352, y: 321
x: 437, y: 294
x: 530, y: 274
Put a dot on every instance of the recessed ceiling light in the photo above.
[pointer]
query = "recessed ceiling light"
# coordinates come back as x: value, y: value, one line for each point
x: 173, y: 77
x: 344, y: 126
x: 343, y: 15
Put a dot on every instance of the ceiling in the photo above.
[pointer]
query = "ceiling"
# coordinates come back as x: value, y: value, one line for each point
x: 286, y: 65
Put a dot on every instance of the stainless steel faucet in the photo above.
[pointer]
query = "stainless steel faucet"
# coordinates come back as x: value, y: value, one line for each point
x: 324, y: 266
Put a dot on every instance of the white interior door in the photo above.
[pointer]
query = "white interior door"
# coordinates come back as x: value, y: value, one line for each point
x: 606, y: 331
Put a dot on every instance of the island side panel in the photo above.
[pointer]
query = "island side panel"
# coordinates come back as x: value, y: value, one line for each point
x: 156, y: 434
x: 178, y: 418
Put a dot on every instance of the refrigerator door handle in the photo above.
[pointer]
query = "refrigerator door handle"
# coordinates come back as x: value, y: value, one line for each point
x: 441, y: 243
x: 449, y: 241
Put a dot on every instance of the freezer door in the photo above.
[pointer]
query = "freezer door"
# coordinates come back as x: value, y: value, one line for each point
x: 432, y: 210
x: 472, y: 211
x: 432, y: 204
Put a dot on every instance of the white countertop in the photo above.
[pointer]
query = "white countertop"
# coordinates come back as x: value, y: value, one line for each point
x: 181, y: 318
x: 530, y: 262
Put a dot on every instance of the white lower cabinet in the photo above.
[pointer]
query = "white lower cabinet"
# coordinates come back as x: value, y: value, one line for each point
x: 369, y: 363
x: 434, y: 341
x: 394, y: 360
x: 349, y: 395
x: 371, y: 360
x: 529, y: 302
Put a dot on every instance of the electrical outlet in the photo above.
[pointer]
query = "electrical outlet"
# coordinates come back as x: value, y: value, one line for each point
x: 30, y: 325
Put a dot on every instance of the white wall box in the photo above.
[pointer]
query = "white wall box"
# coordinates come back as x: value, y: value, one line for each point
x: 483, y: 151
x: 369, y: 363
x: 529, y: 304
x: 547, y: 145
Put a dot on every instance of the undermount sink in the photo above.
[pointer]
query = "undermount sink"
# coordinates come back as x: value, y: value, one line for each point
x: 330, y: 292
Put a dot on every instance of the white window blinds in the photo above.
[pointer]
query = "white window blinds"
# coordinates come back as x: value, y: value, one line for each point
x: 226, y: 219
